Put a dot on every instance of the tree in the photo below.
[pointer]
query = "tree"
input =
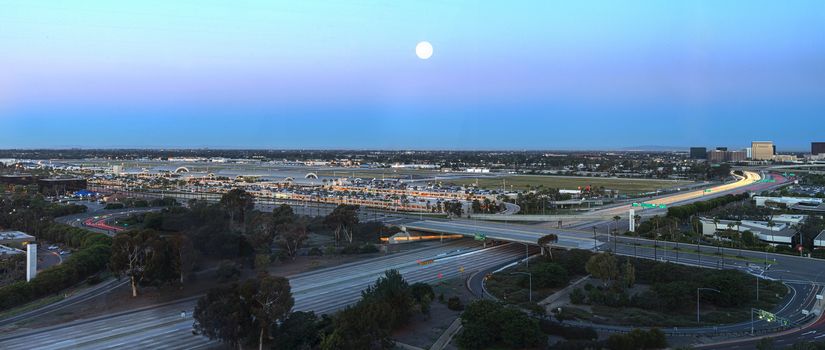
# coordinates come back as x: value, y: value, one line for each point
x: 270, y: 300
x: 518, y: 331
x: 547, y: 275
x: 237, y: 203
x: 476, y: 206
x: 298, y: 331
x: 384, y: 306
x: 343, y: 219
x: 291, y: 235
x: 422, y: 295
x: 222, y: 314
x: 546, y: 242
x: 603, y: 266
x: 261, y: 230
x: 481, y: 326
x: 282, y: 214
x: 393, y: 290
x: 184, y: 256
x: 131, y: 253
x: 628, y: 275
x: 360, y: 327
x: 486, y: 323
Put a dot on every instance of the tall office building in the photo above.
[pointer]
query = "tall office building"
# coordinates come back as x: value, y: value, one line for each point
x: 723, y: 149
x: 698, y: 153
x: 817, y: 148
x: 762, y: 150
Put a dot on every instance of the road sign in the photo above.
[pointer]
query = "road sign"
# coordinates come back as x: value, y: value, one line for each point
x: 480, y: 237
x: 636, y: 205
x: 461, y: 269
x: 708, y: 191
x: 663, y: 206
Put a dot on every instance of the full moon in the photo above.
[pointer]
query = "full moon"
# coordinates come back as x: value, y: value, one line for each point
x: 424, y: 50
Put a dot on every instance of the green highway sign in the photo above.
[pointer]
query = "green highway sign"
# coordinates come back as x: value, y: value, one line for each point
x: 663, y: 206
x: 708, y: 191
x: 480, y: 237
x: 636, y: 204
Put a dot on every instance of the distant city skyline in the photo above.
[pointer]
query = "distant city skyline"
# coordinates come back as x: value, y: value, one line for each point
x: 520, y: 75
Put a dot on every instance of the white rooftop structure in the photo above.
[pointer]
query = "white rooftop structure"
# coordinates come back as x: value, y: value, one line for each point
x: 788, y: 201
x: 15, y: 237
x: 779, y: 233
x: 5, y: 251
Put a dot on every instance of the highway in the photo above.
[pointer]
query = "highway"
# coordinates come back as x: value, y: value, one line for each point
x: 322, y: 291
x: 331, y: 289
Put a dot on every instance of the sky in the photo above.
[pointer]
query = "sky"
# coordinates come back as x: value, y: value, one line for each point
x: 344, y: 74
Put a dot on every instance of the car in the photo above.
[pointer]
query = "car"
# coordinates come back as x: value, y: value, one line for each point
x: 62, y: 252
x: 52, y: 247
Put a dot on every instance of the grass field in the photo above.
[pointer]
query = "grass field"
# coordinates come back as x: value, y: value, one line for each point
x: 521, y: 182
x: 385, y: 173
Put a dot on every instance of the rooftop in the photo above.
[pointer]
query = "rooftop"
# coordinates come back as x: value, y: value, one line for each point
x: 9, y: 251
x: 6, y: 236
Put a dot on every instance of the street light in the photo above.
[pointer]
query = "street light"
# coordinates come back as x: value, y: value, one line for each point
x: 595, y: 243
x: 530, y: 283
x: 697, y: 300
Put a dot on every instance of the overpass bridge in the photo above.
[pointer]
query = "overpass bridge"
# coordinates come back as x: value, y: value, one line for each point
x: 548, y: 218
x: 570, y: 239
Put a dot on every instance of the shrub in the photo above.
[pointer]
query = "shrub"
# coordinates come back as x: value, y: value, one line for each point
x: 367, y: 249
x: 577, y: 296
x: 112, y: 206
x: 570, y: 333
x: 76, y: 269
x: 227, y: 271
x: 454, y: 303
x: 638, y: 339
x: 547, y: 275
x: 487, y: 323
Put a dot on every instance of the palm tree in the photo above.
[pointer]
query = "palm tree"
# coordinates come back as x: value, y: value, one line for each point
x: 771, y: 225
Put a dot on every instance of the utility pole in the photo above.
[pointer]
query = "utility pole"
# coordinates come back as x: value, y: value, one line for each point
x: 697, y: 300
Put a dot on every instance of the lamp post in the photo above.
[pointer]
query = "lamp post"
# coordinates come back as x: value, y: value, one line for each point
x: 595, y: 243
x: 527, y: 255
x: 530, y: 283
x: 697, y: 300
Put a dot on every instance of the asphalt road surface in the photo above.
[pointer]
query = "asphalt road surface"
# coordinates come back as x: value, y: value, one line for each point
x: 322, y: 291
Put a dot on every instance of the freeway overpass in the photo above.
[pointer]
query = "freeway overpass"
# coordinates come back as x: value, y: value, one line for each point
x: 577, y: 235
x: 512, y: 233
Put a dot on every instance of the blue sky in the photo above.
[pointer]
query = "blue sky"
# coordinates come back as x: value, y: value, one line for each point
x: 343, y: 74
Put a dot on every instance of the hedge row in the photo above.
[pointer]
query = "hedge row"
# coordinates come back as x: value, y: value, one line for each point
x: 91, y: 258
x: 683, y: 212
x: 74, y: 237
